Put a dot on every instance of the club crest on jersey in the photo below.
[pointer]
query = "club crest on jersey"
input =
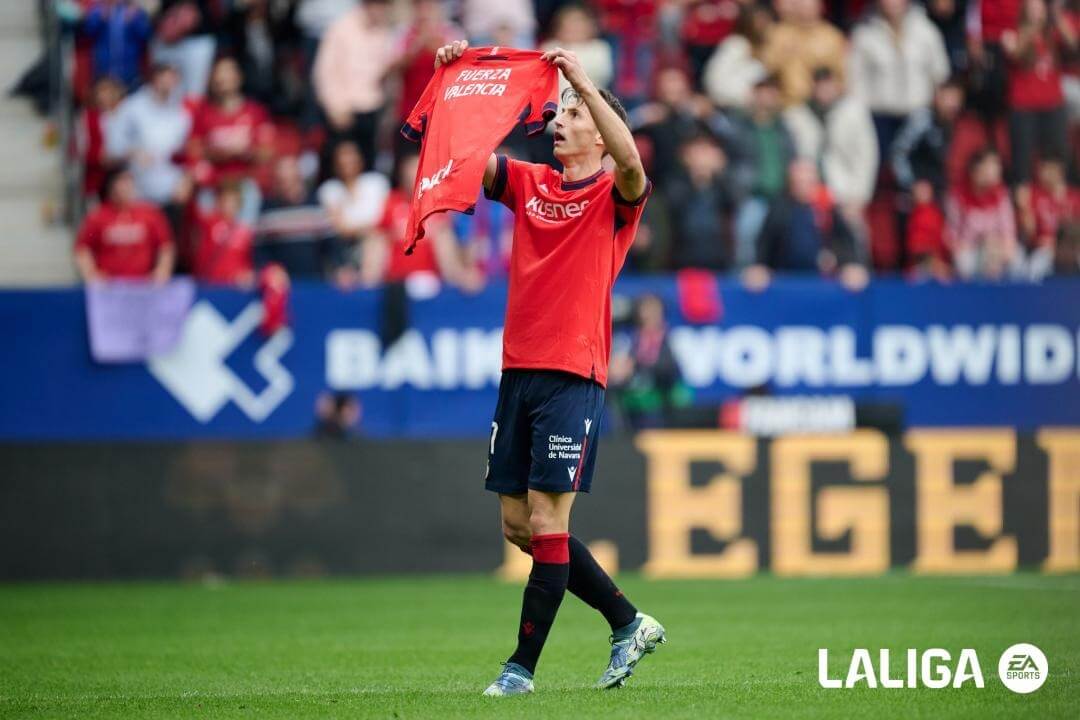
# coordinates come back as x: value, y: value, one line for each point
x: 437, y: 177
x: 555, y: 210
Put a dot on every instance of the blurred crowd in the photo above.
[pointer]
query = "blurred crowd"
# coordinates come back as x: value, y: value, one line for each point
x: 841, y: 139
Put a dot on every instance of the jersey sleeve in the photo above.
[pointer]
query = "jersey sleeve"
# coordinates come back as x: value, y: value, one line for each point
x: 544, y: 101
x: 415, y: 125
x: 507, y: 181
x: 628, y: 212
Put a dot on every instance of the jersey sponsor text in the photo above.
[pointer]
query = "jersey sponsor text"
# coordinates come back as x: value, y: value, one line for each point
x: 555, y: 210
x: 430, y: 182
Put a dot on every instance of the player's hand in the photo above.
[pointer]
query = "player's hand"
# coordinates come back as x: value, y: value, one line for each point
x: 449, y: 53
x: 571, y: 68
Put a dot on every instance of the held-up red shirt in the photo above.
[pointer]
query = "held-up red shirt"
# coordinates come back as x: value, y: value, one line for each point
x: 570, y: 241
x: 125, y: 242
x: 465, y: 112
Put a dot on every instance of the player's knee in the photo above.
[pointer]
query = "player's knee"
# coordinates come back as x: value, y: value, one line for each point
x: 543, y: 522
x: 517, y: 533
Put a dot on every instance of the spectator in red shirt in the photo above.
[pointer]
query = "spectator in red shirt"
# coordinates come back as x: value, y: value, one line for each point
x: 223, y: 244
x: 438, y: 258
x: 928, y: 257
x: 106, y: 97
x: 981, y: 224
x: 231, y: 137
x: 124, y: 238
x: 1044, y: 211
x: 1037, y: 102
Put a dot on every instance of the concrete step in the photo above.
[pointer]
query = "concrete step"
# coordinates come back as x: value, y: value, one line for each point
x: 33, y: 251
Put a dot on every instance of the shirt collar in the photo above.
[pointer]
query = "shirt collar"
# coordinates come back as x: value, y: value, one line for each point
x: 583, y: 182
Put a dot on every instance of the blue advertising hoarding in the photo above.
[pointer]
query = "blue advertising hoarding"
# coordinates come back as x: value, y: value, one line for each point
x: 960, y: 355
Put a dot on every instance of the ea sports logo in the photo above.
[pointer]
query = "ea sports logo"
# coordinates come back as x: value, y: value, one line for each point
x: 1022, y: 668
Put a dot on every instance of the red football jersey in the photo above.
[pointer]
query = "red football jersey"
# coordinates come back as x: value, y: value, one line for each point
x: 231, y: 137
x: 466, y: 110
x: 570, y: 241
x: 223, y: 253
x: 125, y: 243
x: 1052, y: 211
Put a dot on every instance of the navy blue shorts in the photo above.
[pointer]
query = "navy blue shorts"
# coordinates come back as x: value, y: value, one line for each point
x: 544, y: 433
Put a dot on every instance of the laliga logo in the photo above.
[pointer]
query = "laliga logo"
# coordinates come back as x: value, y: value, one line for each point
x: 428, y: 183
x: 932, y: 668
x: 1022, y: 669
x: 195, y: 373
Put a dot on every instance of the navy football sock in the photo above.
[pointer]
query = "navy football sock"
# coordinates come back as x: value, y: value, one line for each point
x: 543, y: 595
x: 590, y: 583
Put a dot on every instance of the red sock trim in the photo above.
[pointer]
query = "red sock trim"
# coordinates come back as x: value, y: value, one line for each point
x: 551, y: 549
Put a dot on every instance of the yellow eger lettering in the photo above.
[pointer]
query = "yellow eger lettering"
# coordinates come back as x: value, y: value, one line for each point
x: 942, y: 505
x: 864, y: 512
x: 675, y: 507
x: 1063, y: 499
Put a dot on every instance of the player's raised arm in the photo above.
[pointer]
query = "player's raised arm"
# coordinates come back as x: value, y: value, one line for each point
x: 489, y: 171
x: 618, y: 142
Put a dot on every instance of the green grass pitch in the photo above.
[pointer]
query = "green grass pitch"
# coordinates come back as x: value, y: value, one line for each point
x: 426, y: 648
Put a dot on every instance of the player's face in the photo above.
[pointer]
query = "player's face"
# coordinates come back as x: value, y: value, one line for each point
x: 575, y: 131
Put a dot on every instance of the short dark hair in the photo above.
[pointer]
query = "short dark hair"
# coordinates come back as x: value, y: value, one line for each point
x: 614, y: 103
x: 570, y: 97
